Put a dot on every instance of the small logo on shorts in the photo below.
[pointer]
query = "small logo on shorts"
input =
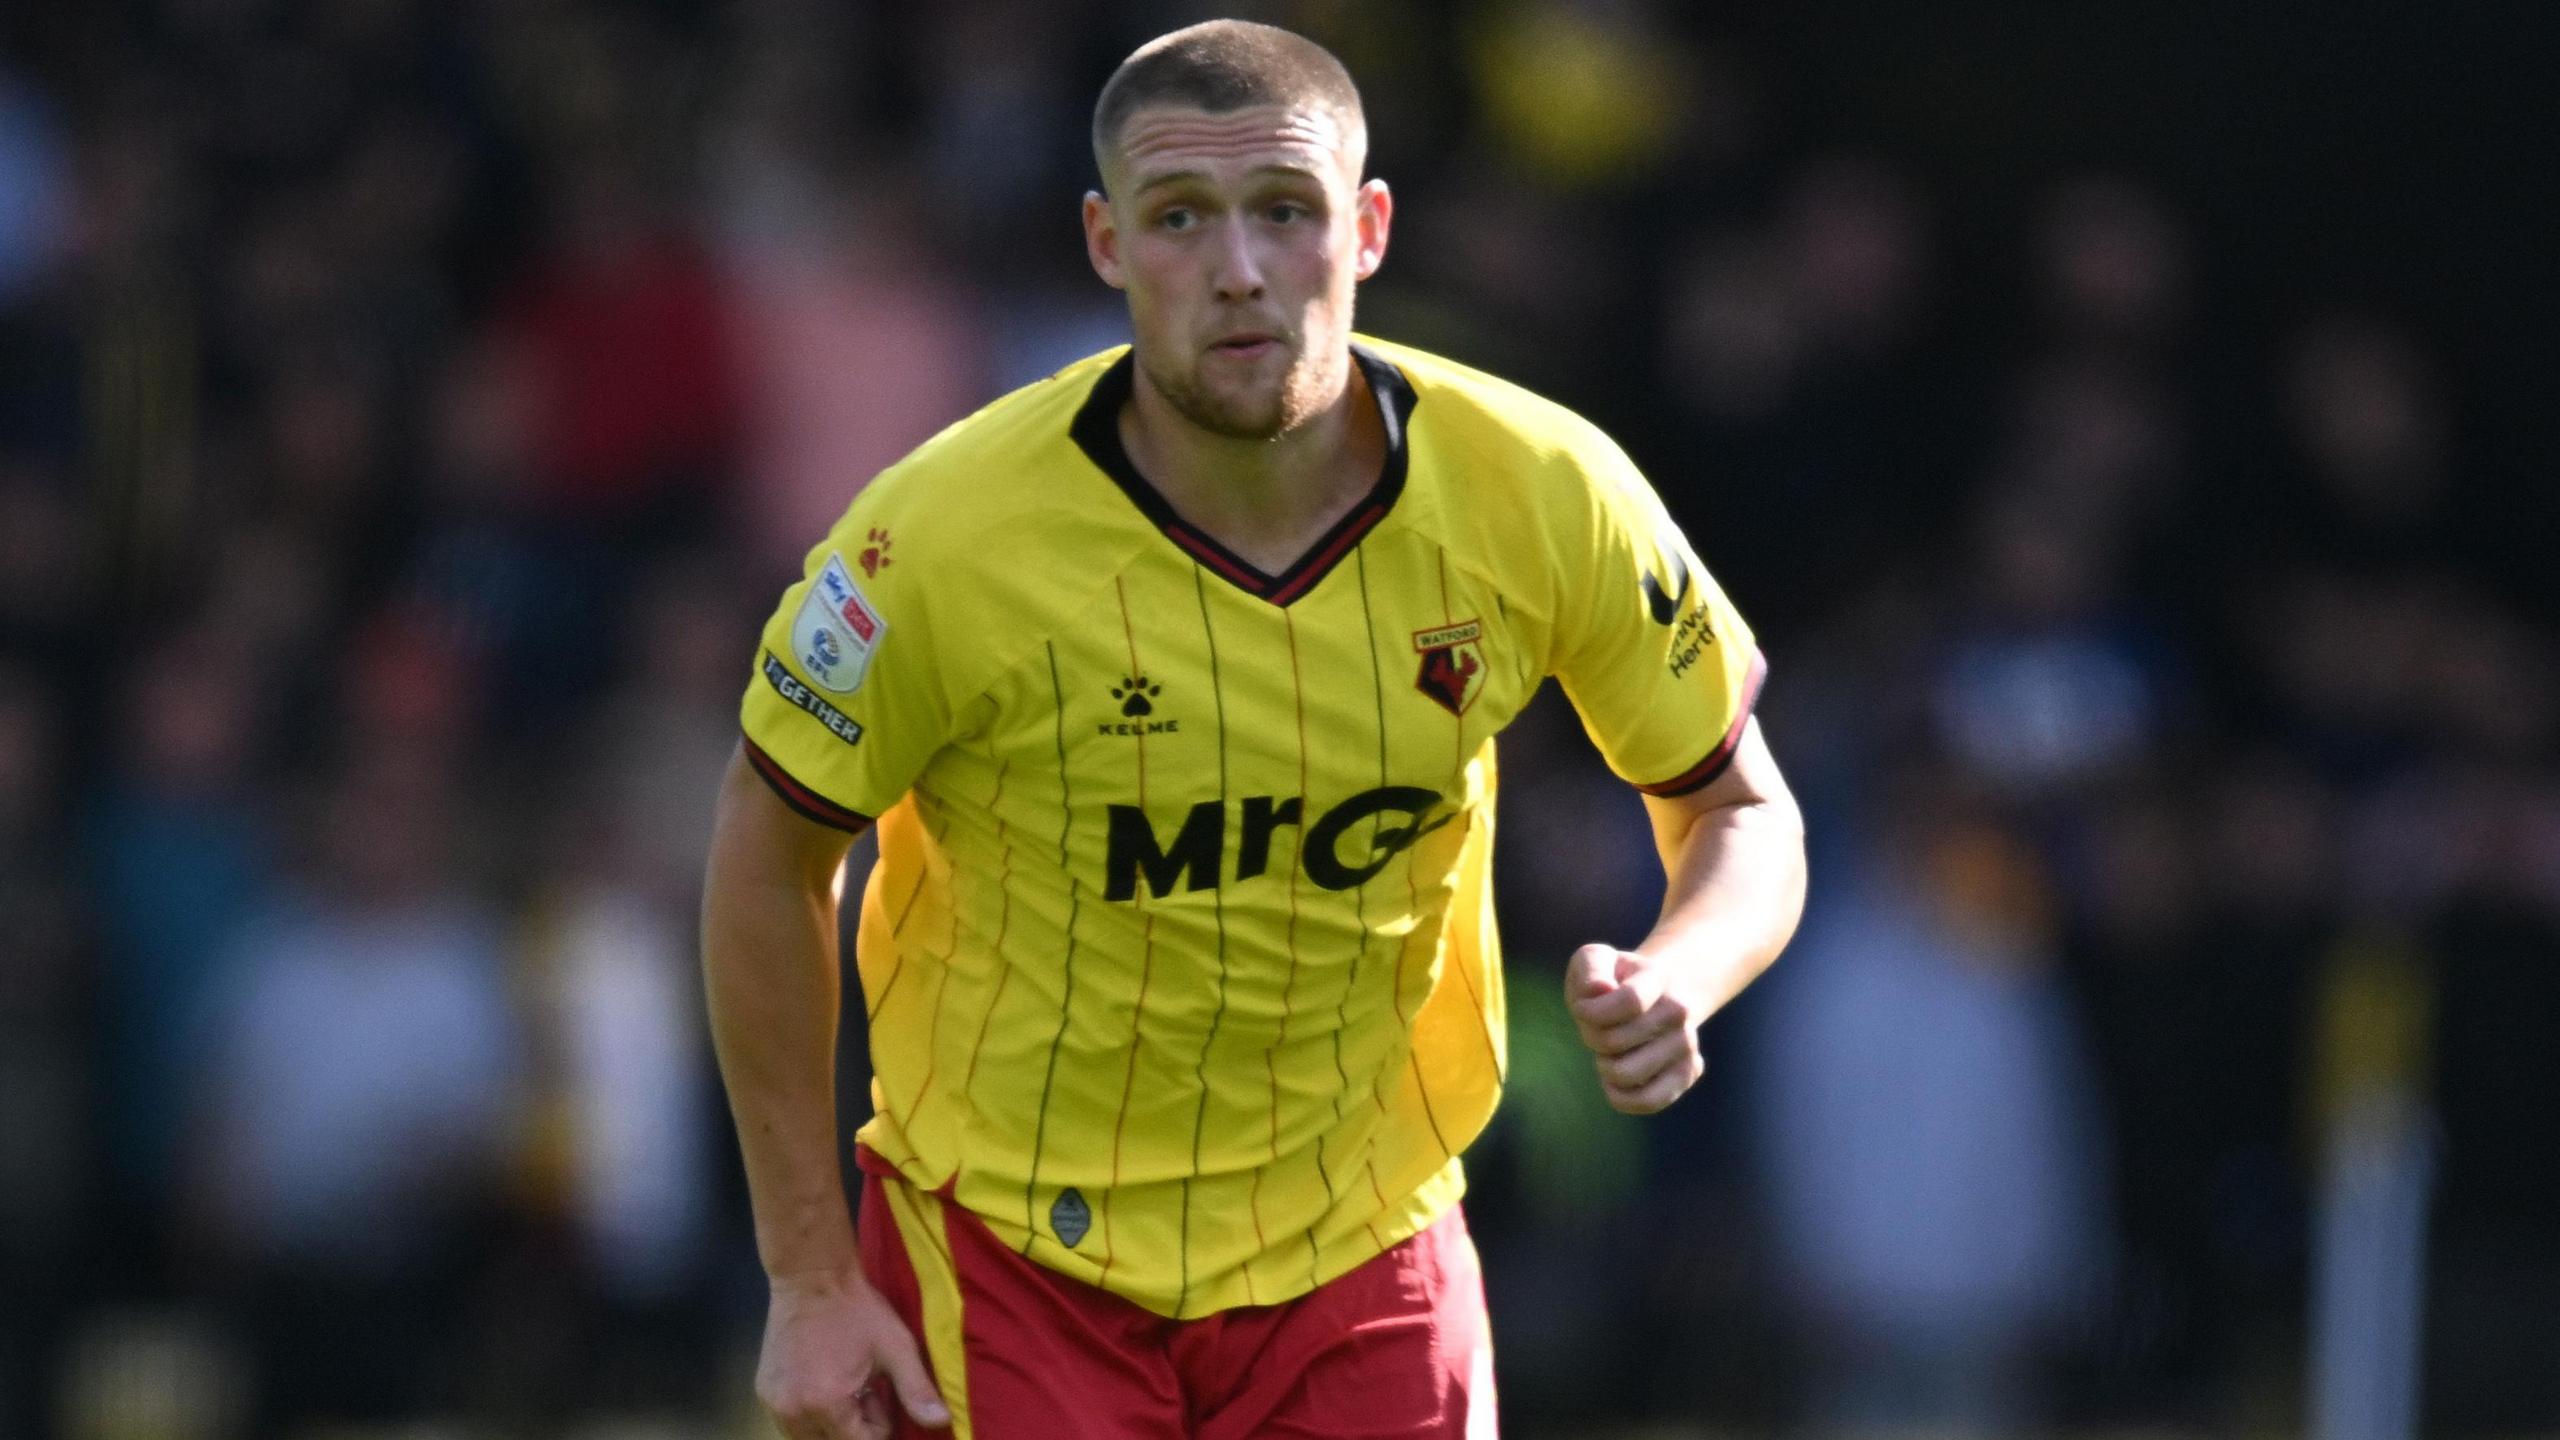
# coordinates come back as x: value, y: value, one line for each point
x: 1070, y: 1217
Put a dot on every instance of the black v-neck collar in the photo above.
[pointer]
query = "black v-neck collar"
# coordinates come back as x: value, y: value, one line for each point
x: 1096, y: 431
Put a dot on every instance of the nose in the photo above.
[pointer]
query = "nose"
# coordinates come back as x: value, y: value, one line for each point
x: 1238, y: 272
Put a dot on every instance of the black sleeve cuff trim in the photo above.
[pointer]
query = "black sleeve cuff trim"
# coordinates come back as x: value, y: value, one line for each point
x: 807, y: 803
x: 1701, y: 775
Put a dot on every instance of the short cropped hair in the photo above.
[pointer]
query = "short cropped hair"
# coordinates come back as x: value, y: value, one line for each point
x: 1224, y: 65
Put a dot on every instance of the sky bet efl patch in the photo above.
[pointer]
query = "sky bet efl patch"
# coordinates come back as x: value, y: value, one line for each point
x: 836, y: 630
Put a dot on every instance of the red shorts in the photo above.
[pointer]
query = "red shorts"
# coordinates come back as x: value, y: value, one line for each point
x: 1398, y: 1347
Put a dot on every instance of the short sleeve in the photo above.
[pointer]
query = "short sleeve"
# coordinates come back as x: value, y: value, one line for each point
x: 845, y: 705
x: 1656, y: 659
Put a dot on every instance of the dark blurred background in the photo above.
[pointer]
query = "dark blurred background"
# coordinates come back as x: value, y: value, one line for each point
x: 2128, y: 425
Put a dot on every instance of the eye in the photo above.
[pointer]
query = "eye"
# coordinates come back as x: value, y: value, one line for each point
x: 1176, y: 219
x: 1286, y: 212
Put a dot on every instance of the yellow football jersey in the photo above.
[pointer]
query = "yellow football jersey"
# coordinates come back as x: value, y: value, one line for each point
x: 1179, y: 959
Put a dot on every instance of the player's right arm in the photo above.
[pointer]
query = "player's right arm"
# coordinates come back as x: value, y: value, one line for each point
x: 769, y: 962
x: 847, y: 704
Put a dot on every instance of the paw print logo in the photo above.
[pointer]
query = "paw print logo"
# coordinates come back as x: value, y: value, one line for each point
x: 875, y: 556
x: 1136, y: 696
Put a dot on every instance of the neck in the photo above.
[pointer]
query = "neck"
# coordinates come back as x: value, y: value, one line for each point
x: 1266, y: 500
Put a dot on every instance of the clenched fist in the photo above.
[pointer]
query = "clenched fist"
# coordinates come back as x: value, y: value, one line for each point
x: 1643, y: 1036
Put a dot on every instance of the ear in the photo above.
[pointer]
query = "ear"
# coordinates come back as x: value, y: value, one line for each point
x: 1371, y: 211
x: 1102, y: 240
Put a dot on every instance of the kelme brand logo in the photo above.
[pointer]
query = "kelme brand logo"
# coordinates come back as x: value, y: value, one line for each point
x: 1136, y: 698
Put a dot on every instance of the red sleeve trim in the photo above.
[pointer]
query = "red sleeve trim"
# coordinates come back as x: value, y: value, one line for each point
x: 1703, y: 774
x: 809, y: 804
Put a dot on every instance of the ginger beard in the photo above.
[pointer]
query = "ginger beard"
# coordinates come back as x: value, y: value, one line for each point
x: 1255, y: 400
x: 1289, y: 288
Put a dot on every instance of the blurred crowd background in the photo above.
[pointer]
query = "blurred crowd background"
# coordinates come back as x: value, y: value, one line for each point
x: 2129, y: 427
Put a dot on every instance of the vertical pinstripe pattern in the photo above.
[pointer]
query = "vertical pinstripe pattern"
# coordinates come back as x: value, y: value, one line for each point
x: 909, y: 908
x: 1004, y: 899
x: 932, y: 1044
x: 1360, y: 894
x: 1128, y: 628
x: 1484, y: 1021
x: 1004, y: 927
x: 1288, y: 995
x: 1128, y: 1086
x: 1004, y: 977
x: 1413, y: 901
x: 1360, y: 897
x: 1289, y: 992
x: 1146, y: 964
x: 924, y: 872
x: 1066, y: 1002
x: 1218, y: 903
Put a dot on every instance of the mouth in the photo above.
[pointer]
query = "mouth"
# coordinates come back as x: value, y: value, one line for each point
x: 1246, y: 345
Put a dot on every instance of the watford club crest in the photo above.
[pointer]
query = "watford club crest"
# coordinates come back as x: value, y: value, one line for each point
x: 1452, y: 664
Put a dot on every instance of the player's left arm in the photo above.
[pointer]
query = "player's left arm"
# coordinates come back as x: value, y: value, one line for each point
x: 1733, y: 852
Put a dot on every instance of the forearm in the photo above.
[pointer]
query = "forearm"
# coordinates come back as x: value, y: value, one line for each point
x: 1735, y: 890
x: 770, y: 974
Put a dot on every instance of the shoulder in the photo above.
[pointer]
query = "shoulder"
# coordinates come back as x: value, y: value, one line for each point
x: 1011, y: 461
x: 1510, y: 480
x: 1005, y: 499
x: 1503, y: 430
x: 984, y: 534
